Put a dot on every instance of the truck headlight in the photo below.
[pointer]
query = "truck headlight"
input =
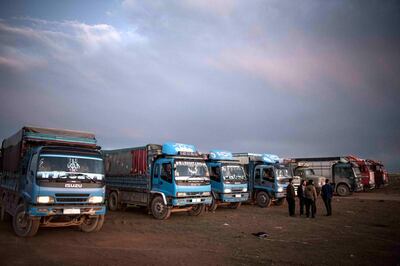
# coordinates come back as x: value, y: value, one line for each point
x: 244, y: 189
x: 181, y: 194
x: 227, y: 190
x: 44, y: 199
x: 206, y: 193
x: 280, y: 189
x: 96, y: 199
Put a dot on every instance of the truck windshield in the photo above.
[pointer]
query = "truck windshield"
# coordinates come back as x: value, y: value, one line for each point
x: 357, y: 171
x: 232, y: 173
x: 282, y: 175
x: 308, y: 172
x: 56, y: 167
x: 191, y: 171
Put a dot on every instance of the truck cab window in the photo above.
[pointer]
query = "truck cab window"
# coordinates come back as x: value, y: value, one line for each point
x: 268, y: 175
x: 166, y: 172
x: 257, y: 177
x: 157, y: 171
x: 215, y: 173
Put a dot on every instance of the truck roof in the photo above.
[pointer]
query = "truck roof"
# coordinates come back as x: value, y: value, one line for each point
x: 30, y: 133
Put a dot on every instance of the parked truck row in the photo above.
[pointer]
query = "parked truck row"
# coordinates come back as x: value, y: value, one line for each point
x: 55, y: 177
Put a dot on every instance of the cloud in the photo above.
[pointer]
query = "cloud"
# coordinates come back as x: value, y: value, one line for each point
x: 286, y: 78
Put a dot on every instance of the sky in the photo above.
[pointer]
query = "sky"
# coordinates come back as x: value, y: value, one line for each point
x: 293, y: 78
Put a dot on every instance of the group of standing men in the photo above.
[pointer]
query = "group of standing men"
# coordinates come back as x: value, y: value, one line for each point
x: 307, y: 195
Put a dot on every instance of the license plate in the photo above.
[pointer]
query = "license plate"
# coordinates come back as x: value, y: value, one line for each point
x: 196, y: 200
x: 238, y: 195
x: 72, y: 211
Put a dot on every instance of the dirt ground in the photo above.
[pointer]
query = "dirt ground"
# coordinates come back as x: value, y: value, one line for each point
x: 364, y: 230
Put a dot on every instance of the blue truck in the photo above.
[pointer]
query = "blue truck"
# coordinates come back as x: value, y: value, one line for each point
x: 228, y: 180
x: 51, y: 178
x: 167, y: 178
x: 268, y: 177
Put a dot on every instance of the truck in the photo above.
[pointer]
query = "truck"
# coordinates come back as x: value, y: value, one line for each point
x: 367, y: 174
x: 167, y: 178
x: 304, y: 172
x: 228, y: 180
x: 344, y: 175
x: 268, y: 178
x: 381, y: 176
x: 52, y: 178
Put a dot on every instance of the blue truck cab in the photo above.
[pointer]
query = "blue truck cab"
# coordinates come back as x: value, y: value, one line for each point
x: 51, y: 178
x: 228, y: 180
x: 268, y: 177
x: 167, y: 178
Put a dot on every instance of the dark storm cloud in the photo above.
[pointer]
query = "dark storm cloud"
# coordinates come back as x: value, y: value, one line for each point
x: 311, y: 78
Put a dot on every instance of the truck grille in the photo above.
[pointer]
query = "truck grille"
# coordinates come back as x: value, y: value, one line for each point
x: 71, y: 198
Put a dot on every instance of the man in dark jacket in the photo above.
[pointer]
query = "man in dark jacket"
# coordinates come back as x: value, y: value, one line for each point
x: 327, y: 194
x: 291, y: 197
x: 302, y: 196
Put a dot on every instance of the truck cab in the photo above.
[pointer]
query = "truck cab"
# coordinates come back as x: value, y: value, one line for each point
x: 268, y: 178
x: 367, y: 174
x: 307, y: 173
x: 169, y: 178
x: 345, y: 176
x: 228, y: 180
x: 58, y: 180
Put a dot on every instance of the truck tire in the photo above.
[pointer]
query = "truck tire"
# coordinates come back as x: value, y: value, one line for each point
x: 197, y: 210
x: 100, y: 223
x: 263, y: 199
x: 279, y: 202
x: 23, y: 225
x: 113, y: 201
x: 159, y: 210
x: 92, y: 224
x: 343, y: 190
x: 234, y: 205
x: 213, y: 205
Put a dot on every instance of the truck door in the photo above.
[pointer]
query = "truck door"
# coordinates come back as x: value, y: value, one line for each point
x: 166, y: 177
x: 27, y: 183
x: 268, y: 177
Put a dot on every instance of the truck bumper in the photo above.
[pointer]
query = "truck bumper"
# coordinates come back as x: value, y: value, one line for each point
x: 191, y: 201
x: 358, y: 187
x: 234, y: 197
x: 279, y: 195
x: 66, y: 210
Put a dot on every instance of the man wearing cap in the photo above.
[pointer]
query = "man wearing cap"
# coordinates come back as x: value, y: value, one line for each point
x: 290, y: 197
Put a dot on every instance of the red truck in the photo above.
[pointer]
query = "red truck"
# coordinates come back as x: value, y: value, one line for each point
x: 380, y: 173
x: 367, y: 174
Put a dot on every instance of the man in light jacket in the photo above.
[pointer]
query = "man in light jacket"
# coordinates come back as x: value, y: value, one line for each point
x: 311, y: 198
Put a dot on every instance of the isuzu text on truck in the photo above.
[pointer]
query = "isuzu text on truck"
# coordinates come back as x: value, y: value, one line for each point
x: 228, y: 180
x: 344, y: 175
x: 50, y: 178
x: 268, y: 178
x: 168, y: 178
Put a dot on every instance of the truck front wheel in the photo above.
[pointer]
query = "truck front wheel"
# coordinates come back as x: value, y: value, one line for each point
x: 343, y: 190
x: 159, y: 210
x: 263, y: 199
x: 23, y: 225
x: 279, y: 202
x: 113, y: 201
x: 213, y: 205
x: 197, y: 210
x: 93, y: 224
